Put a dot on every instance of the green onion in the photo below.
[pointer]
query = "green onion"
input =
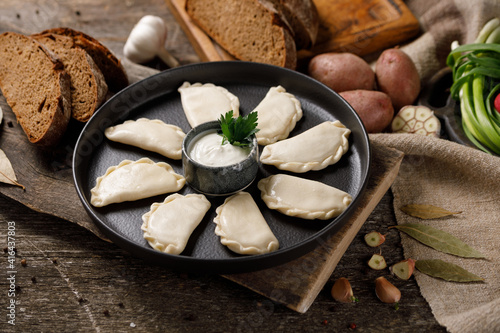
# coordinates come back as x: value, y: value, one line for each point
x: 476, y: 82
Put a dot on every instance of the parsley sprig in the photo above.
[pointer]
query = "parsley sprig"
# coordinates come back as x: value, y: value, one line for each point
x: 237, y: 131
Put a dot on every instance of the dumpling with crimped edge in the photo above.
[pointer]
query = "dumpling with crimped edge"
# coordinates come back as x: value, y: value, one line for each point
x: 206, y: 102
x: 304, y: 198
x: 242, y: 227
x: 149, y: 134
x: 168, y: 225
x: 134, y: 180
x: 314, y: 149
x: 278, y: 114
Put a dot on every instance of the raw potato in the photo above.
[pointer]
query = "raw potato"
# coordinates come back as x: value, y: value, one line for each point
x: 373, y: 107
x: 416, y: 119
x: 342, y: 71
x: 397, y: 76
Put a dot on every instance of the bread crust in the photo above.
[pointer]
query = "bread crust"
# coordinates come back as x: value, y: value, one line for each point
x: 42, y: 108
x: 302, y: 15
x: 108, y: 63
x: 88, y: 86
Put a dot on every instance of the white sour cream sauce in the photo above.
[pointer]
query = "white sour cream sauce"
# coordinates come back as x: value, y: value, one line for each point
x: 207, y: 149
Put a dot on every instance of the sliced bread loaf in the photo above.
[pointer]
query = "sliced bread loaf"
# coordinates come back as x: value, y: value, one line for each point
x: 111, y: 67
x: 35, y: 86
x: 302, y: 15
x: 88, y: 87
x: 251, y: 30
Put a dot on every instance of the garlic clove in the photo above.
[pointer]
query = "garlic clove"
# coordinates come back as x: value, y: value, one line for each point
x: 386, y: 291
x: 403, y: 269
x: 342, y: 291
x: 374, y: 238
x: 377, y: 262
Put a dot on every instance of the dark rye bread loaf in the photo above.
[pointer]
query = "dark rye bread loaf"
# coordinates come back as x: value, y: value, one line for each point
x: 250, y: 30
x: 303, y: 18
x: 36, y: 87
x: 114, y: 73
x: 88, y: 87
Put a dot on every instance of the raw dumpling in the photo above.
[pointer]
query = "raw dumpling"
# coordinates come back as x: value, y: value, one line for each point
x: 278, y: 113
x: 169, y: 224
x: 134, y: 180
x: 304, y: 198
x: 314, y: 149
x: 242, y: 227
x: 206, y: 102
x: 153, y: 135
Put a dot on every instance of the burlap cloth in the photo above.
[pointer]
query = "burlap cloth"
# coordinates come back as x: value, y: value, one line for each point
x: 451, y: 176
x: 457, y: 178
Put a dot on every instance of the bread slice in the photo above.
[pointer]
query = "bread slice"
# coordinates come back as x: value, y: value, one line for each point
x: 250, y: 30
x: 88, y: 87
x: 36, y: 87
x: 111, y: 67
x: 302, y: 15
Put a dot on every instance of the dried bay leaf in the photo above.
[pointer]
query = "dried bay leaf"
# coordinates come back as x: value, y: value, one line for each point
x: 7, y: 174
x: 446, y: 271
x: 439, y: 240
x: 426, y: 212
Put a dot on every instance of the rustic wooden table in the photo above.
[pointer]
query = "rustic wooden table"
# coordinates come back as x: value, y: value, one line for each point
x: 67, y: 279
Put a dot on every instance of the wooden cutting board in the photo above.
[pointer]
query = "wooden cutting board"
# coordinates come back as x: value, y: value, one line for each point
x: 357, y: 26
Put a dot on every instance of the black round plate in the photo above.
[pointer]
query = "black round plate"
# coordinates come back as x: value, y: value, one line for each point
x: 156, y: 97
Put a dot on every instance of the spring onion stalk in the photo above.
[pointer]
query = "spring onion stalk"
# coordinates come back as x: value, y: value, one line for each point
x: 476, y: 82
x: 487, y: 30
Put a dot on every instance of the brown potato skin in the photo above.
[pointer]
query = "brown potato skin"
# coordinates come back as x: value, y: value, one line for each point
x: 397, y: 76
x: 342, y: 71
x: 373, y: 107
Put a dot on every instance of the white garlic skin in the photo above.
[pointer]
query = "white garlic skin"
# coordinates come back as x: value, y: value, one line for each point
x: 146, y: 39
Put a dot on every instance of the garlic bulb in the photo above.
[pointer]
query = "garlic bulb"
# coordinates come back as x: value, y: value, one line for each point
x: 416, y: 119
x: 147, y: 40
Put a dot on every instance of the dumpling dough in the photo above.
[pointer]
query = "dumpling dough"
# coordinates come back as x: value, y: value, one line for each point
x: 242, y: 227
x: 169, y: 224
x: 206, y: 102
x: 314, y: 149
x: 149, y: 134
x: 134, y: 180
x: 304, y: 198
x: 277, y: 113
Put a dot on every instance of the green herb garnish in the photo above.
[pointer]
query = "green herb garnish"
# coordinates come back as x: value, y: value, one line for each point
x: 237, y: 131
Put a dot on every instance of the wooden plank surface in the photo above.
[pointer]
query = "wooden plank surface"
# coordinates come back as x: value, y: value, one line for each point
x: 49, y: 188
x: 75, y: 281
x: 79, y: 277
x: 358, y: 26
